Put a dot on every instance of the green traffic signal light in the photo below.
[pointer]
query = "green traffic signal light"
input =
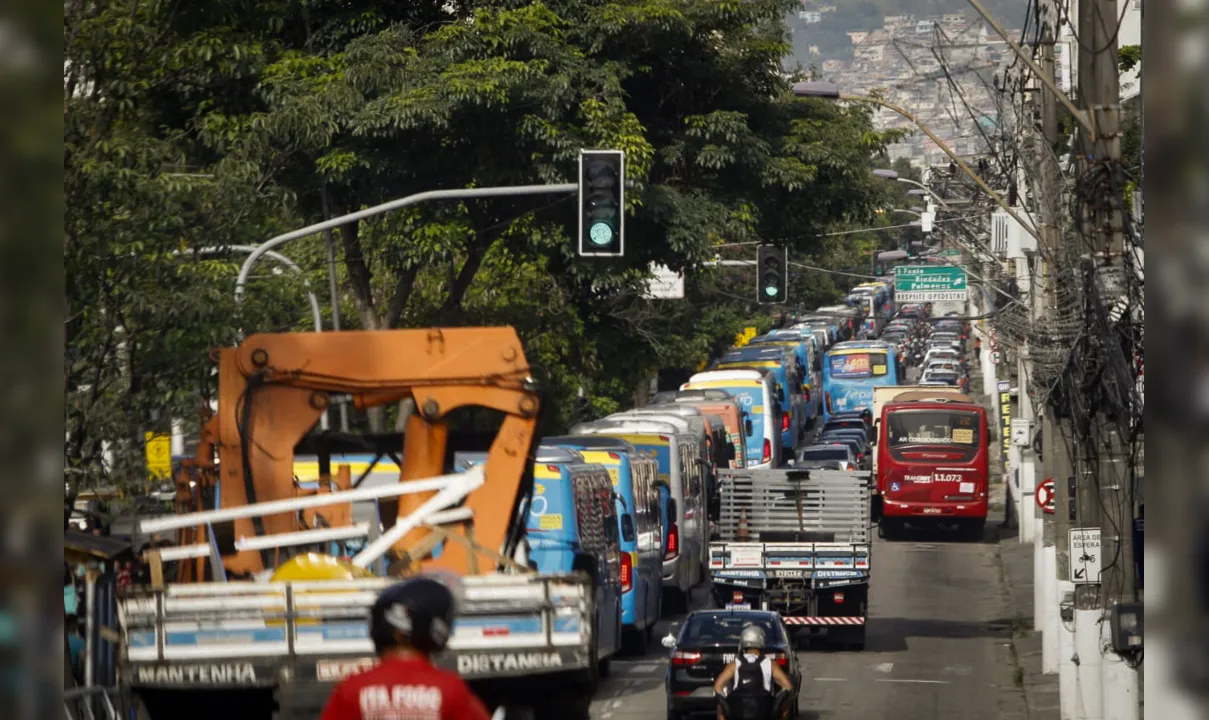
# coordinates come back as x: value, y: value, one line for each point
x: 772, y: 278
x: 601, y: 203
x: 600, y: 233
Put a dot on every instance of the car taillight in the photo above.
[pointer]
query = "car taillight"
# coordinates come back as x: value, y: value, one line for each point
x: 780, y: 659
x: 627, y: 572
x: 767, y: 457
x: 673, y: 542
x: 827, y: 401
x: 784, y: 423
x: 685, y: 658
x: 848, y: 466
x: 806, y: 395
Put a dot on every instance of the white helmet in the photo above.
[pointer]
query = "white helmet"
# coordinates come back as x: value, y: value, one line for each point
x: 752, y: 638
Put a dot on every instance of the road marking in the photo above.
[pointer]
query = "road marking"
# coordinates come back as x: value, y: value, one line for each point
x: 883, y: 667
x: 616, y: 704
x: 957, y: 670
x: 920, y: 682
x: 642, y: 668
x: 831, y: 679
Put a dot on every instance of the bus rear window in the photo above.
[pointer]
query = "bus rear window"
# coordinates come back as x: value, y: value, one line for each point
x: 858, y: 365
x: 933, y: 427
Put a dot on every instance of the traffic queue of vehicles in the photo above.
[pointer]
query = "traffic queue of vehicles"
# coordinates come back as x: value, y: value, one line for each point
x: 614, y: 522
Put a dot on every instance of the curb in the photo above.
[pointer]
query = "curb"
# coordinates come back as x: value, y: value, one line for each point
x: 1040, y: 690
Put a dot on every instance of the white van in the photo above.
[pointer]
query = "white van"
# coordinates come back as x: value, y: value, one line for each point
x: 757, y: 395
x: 684, y: 565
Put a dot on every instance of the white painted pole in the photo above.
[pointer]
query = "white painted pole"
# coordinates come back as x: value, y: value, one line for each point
x: 1089, y: 695
x: 1067, y: 687
x: 1039, y: 588
x: 274, y: 507
x: 1119, y: 681
x: 1051, y: 624
x: 452, y: 493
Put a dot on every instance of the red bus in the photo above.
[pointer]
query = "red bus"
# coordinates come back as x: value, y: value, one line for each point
x: 933, y: 464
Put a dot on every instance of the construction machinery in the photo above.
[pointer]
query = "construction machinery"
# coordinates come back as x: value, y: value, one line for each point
x: 262, y: 604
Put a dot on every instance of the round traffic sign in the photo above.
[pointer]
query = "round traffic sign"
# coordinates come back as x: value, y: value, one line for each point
x: 1045, y: 495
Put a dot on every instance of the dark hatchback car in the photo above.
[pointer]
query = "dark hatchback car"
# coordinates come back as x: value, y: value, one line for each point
x: 854, y: 439
x: 705, y: 642
x: 848, y: 423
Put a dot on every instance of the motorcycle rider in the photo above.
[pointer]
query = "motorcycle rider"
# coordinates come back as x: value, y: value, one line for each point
x: 753, y: 672
x: 408, y: 623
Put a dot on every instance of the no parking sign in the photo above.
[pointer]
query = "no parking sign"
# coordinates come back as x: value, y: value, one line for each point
x: 1045, y: 496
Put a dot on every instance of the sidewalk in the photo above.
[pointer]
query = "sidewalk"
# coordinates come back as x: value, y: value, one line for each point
x: 1040, y: 690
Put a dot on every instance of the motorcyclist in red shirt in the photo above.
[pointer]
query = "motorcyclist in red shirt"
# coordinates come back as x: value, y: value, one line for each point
x: 409, y: 622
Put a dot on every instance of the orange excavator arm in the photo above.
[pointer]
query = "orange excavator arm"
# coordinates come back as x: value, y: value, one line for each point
x: 274, y: 387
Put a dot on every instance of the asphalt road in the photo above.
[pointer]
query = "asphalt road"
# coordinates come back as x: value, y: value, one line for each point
x: 937, y: 646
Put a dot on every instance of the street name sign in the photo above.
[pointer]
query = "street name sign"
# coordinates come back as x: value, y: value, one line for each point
x: 929, y: 283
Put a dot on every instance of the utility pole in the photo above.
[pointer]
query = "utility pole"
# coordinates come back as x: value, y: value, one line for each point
x: 1046, y: 595
x: 1102, y: 490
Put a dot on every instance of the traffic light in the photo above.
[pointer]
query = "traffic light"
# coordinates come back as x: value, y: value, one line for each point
x: 772, y: 275
x: 602, y: 203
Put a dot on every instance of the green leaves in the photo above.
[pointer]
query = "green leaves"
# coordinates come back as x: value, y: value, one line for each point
x: 231, y: 123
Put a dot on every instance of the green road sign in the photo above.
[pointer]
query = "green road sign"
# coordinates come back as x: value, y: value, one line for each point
x: 929, y: 283
x: 951, y: 253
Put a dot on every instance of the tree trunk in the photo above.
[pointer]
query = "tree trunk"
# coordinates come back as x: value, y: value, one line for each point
x: 361, y: 281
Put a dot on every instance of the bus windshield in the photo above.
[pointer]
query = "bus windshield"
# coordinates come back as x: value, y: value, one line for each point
x: 958, y: 428
x: 854, y: 366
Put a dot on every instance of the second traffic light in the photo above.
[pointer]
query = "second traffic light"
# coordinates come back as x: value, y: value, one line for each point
x: 602, y: 203
x: 772, y: 274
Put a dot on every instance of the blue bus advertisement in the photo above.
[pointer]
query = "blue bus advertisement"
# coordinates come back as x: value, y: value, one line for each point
x: 850, y: 374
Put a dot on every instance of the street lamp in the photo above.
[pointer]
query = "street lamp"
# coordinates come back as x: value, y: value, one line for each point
x: 832, y: 91
x: 884, y: 173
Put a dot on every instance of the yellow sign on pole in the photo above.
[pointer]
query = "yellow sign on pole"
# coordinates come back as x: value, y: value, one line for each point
x: 159, y: 454
x: 744, y: 337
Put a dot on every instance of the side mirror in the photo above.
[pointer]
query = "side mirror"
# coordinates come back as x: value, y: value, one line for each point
x: 669, y: 641
x: 730, y: 452
x: 747, y: 427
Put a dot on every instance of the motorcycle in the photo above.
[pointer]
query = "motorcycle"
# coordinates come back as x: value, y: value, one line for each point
x: 762, y: 707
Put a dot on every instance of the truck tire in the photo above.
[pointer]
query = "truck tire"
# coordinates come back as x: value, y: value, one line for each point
x: 856, y: 641
x: 564, y: 707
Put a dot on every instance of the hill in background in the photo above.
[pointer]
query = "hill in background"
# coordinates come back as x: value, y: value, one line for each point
x: 825, y: 25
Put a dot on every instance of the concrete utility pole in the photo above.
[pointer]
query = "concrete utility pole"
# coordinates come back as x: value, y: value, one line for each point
x: 1109, y: 686
x: 1046, y: 594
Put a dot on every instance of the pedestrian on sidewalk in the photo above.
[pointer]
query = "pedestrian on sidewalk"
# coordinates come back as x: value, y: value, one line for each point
x: 978, y: 349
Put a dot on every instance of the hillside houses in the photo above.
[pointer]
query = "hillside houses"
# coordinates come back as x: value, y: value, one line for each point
x: 955, y: 98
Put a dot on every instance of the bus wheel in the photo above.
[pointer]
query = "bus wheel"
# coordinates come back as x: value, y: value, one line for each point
x: 973, y: 531
x: 889, y: 529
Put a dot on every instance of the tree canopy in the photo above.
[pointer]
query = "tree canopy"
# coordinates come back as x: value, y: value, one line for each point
x: 202, y: 125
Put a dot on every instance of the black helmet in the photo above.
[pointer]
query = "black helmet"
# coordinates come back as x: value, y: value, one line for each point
x: 421, y: 608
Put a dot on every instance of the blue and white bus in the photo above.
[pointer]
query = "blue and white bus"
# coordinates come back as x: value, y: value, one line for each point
x: 852, y: 369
